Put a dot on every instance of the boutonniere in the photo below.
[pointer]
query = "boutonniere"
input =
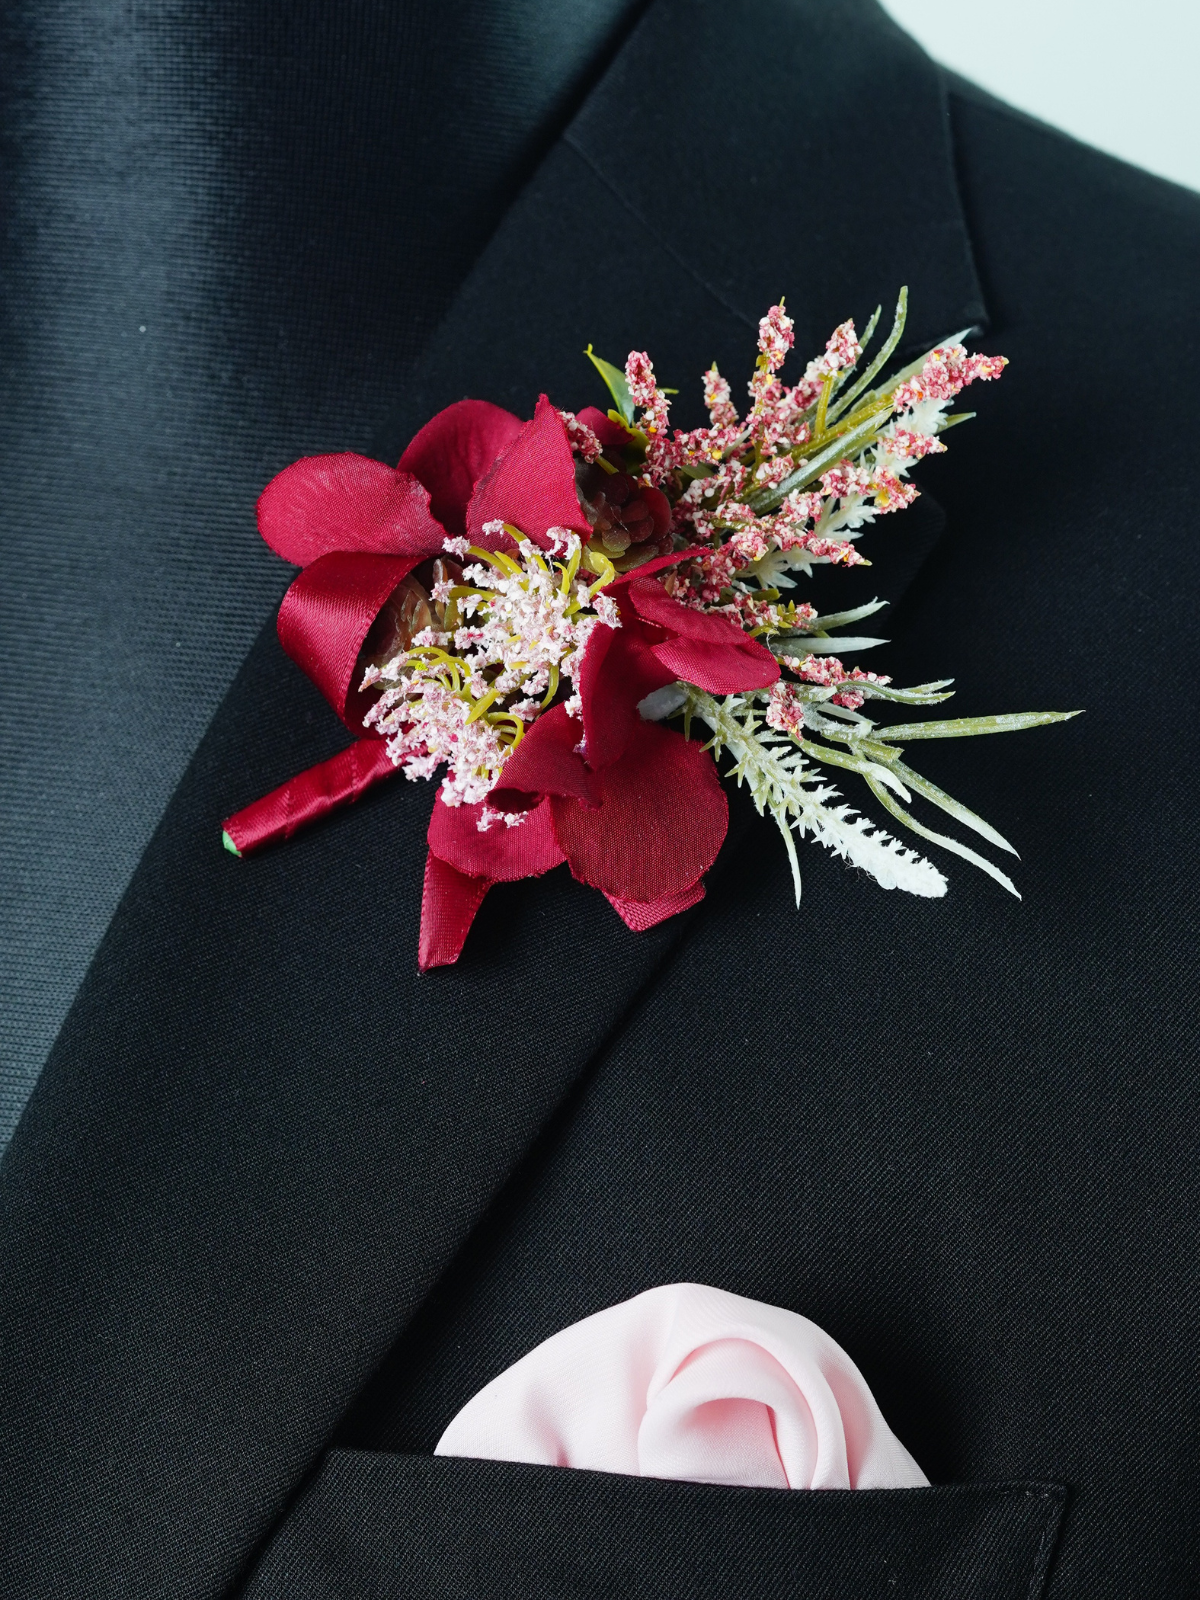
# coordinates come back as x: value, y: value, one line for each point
x: 576, y: 621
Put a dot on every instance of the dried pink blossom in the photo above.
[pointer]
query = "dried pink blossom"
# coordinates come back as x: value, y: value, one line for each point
x: 842, y: 350
x: 721, y: 410
x: 639, y: 375
x: 664, y: 453
x: 772, y: 472
x: 751, y: 543
x: 785, y: 710
x: 827, y: 672
x: 838, y: 552
x: 846, y: 479
x: 776, y: 336
x: 946, y: 372
x: 908, y: 445
x: 890, y: 492
x: 582, y: 439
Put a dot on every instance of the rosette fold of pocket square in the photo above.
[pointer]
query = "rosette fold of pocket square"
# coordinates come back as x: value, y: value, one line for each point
x: 692, y: 1383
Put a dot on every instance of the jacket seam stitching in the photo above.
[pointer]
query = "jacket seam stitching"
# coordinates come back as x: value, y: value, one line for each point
x: 658, y: 238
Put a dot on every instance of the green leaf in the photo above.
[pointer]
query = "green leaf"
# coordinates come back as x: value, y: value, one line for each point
x: 615, y: 380
x: 963, y: 727
x: 947, y: 802
x: 889, y: 802
x: 839, y: 619
x: 857, y: 763
x: 921, y: 694
x: 869, y: 330
x: 815, y: 644
x: 877, y: 365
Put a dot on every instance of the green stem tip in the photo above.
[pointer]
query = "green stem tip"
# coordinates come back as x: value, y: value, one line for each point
x: 229, y: 844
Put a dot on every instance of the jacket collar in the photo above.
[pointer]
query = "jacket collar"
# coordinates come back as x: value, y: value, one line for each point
x: 731, y: 154
x: 799, y: 149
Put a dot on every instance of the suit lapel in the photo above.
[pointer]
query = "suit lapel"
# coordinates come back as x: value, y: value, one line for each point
x: 732, y: 154
x: 261, y: 1136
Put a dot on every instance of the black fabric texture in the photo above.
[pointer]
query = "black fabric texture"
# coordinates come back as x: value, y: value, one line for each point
x: 275, y: 1193
x: 377, y: 1526
x: 228, y: 231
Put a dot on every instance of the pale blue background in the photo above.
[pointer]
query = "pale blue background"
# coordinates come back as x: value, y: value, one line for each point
x: 1122, y: 76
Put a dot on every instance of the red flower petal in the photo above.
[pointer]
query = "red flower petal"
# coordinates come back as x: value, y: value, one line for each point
x: 453, y: 451
x: 618, y: 670
x: 532, y: 485
x: 655, y: 564
x: 659, y: 826
x: 448, y: 906
x: 652, y: 603
x: 326, y: 615
x: 502, y: 853
x: 717, y: 668
x: 611, y: 435
x: 546, y: 762
x: 709, y: 650
x: 346, y: 502
x: 642, y: 914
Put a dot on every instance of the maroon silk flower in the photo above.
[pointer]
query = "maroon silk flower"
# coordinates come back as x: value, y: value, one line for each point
x: 634, y: 808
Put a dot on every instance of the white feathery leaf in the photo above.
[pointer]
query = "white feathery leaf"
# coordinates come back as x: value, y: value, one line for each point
x: 783, y: 782
x: 890, y: 863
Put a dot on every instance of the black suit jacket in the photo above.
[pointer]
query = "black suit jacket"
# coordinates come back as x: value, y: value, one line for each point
x: 278, y: 1206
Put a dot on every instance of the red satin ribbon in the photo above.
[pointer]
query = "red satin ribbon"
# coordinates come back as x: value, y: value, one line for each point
x: 312, y: 794
x: 327, y: 614
x: 448, y: 906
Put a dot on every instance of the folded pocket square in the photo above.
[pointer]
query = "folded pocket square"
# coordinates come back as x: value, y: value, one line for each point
x: 695, y: 1384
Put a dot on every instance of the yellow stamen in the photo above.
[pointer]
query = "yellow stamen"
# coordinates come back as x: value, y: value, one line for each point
x: 569, y: 571
x: 553, y: 689
x: 482, y: 704
x: 502, y: 563
x: 601, y: 564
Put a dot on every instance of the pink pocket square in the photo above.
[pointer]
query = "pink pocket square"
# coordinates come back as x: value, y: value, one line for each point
x: 691, y: 1383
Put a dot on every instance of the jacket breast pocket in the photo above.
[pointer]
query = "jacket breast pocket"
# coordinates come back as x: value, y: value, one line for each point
x: 394, y: 1527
